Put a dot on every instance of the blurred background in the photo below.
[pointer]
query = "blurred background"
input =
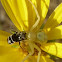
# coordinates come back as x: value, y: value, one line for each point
x: 6, y: 24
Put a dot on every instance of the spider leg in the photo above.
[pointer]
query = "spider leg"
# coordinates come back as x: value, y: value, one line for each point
x: 35, y: 46
x: 37, y: 22
x: 30, y: 53
x: 41, y: 42
x: 20, y: 45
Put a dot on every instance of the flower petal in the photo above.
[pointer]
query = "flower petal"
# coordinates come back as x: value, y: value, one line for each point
x: 16, y: 57
x: 31, y: 13
x: 42, y: 59
x: 14, y: 12
x: 55, y: 33
x: 55, y: 18
x: 4, y: 50
x: 13, y: 56
x: 10, y: 54
x: 53, y: 48
x: 45, y: 59
x: 3, y: 38
x: 23, y: 11
x: 24, y: 18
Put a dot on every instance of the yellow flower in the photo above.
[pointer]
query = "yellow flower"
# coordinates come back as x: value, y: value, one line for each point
x: 29, y: 18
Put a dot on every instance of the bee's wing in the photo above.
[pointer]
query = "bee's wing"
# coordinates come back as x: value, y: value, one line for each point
x: 13, y: 29
x: 3, y: 38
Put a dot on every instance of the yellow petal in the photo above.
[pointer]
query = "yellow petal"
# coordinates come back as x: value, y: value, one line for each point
x: 3, y: 38
x: 42, y: 59
x: 20, y: 12
x: 53, y: 48
x: 45, y: 59
x: 42, y: 8
x: 14, y: 55
x: 55, y: 33
x: 24, y: 18
x: 14, y: 12
x: 10, y: 54
x: 55, y: 18
x: 4, y: 50
x: 23, y: 12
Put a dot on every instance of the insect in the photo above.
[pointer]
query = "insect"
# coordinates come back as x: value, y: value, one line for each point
x: 17, y: 37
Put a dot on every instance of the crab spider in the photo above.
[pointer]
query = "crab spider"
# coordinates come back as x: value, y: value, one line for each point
x: 31, y: 43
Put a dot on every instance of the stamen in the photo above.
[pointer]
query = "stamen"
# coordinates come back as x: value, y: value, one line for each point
x: 37, y: 22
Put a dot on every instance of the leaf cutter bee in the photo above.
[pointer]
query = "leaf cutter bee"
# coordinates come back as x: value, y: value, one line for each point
x: 17, y: 37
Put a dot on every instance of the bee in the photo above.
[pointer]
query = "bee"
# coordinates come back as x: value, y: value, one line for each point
x: 17, y: 37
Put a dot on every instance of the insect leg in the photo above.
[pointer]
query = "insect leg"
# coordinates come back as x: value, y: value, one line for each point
x: 41, y: 42
x: 19, y: 43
